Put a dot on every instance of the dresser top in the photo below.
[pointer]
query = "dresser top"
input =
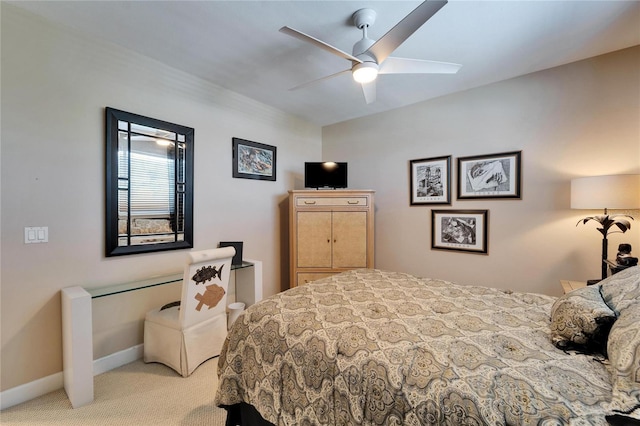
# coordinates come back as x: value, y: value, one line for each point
x: 328, y: 191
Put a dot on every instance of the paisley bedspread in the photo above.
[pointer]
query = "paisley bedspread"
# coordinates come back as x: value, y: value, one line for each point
x: 369, y: 347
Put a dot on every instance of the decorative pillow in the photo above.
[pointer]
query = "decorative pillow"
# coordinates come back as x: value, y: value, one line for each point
x: 581, y: 320
x: 624, y: 354
x: 622, y: 289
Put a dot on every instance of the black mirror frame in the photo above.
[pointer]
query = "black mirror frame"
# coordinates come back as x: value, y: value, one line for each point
x: 112, y: 249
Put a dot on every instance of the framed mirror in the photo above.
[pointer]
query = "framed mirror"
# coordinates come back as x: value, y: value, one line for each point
x: 149, y: 184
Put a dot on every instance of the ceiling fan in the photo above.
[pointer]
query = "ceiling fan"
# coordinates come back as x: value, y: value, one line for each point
x: 370, y: 57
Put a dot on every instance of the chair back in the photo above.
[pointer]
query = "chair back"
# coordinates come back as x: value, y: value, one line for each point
x: 205, y: 285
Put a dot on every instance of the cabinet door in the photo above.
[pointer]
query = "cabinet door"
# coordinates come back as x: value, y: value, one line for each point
x: 349, y: 239
x: 314, y: 239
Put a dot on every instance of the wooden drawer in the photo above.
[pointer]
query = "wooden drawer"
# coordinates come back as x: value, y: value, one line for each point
x: 307, y: 277
x: 332, y: 201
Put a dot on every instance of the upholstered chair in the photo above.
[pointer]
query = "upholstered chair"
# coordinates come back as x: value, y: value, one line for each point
x: 183, y: 336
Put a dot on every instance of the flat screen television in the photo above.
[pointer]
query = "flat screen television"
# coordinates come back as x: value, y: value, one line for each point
x: 325, y: 175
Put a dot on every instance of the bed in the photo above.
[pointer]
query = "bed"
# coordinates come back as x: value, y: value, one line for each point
x: 372, y: 347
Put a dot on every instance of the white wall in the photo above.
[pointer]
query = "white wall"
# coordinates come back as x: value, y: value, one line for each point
x: 55, y: 86
x: 576, y: 120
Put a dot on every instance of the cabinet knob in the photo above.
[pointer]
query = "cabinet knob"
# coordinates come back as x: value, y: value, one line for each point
x: 353, y: 202
x: 309, y: 202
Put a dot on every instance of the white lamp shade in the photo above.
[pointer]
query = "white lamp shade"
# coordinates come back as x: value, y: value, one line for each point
x: 606, y: 192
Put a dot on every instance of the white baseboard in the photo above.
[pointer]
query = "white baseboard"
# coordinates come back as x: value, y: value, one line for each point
x: 23, y: 393
x: 118, y: 359
x: 51, y: 383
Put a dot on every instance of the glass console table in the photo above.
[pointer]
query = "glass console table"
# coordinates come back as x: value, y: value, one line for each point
x: 77, y: 322
x: 149, y: 282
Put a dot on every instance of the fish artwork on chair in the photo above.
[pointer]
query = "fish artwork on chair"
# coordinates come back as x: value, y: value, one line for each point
x: 211, y: 296
x: 206, y: 273
x: 213, y: 293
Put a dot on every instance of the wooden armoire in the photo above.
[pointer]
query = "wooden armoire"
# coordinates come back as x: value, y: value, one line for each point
x: 330, y: 231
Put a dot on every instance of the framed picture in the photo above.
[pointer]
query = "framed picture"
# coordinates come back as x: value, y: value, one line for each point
x: 237, y: 258
x: 490, y: 176
x: 430, y: 180
x: 460, y: 230
x: 253, y: 160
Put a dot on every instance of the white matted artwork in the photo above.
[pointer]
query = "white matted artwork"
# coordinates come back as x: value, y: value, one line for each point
x: 430, y: 181
x: 460, y: 230
x: 253, y: 160
x: 490, y: 176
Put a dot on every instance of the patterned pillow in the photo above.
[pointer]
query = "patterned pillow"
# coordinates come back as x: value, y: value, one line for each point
x: 622, y: 289
x: 581, y: 320
x: 624, y: 354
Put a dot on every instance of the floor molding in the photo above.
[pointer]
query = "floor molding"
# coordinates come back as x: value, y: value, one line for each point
x: 118, y: 359
x: 36, y: 388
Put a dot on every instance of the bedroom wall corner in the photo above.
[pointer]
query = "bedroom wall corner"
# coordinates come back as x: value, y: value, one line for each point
x: 578, y: 119
x: 55, y: 85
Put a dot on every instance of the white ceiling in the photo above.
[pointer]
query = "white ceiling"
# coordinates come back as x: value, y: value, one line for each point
x: 237, y: 45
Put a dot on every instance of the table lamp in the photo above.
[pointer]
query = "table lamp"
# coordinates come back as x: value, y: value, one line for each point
x: 606, y: 192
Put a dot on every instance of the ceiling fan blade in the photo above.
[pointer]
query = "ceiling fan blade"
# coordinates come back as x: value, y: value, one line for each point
x: 389, y: 42
x: 311, y: 83
x: 394, y: 65
x: 318, y: 43
x: 369, y: 91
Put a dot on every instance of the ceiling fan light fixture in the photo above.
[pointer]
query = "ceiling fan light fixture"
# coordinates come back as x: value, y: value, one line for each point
x: 368, y: 55
x: 365, y: 72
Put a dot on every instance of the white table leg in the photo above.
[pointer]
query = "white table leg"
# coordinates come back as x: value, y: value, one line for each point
x: 249, y: 283
x: 77, y: 346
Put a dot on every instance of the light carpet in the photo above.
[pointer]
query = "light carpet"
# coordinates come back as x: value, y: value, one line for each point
x: 134, y: 394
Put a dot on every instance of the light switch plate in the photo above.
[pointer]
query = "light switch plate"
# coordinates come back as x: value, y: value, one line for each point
x: 36, y: 234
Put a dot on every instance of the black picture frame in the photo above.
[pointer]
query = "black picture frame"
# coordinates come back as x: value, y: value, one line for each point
x: 253, y: 160
x: 464, y: 231
x: 430, y: 181
x: 490, y: 176
x: 237, y: 258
